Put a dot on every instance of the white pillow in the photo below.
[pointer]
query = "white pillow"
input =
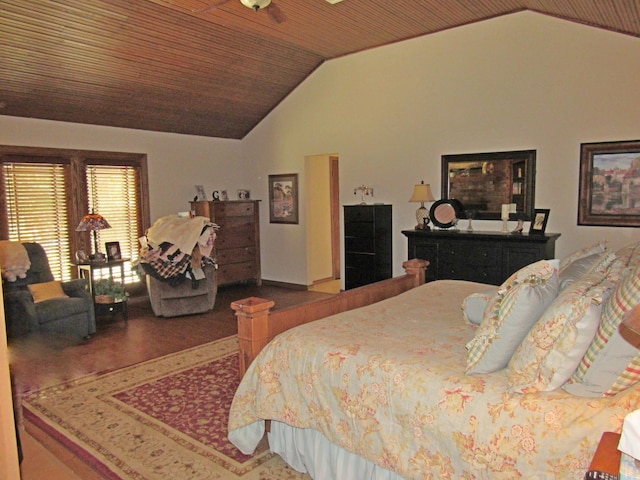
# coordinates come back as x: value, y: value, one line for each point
x: 514, y: 308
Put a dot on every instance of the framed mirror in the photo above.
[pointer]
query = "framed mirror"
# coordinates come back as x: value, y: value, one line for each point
x: 482, y: 182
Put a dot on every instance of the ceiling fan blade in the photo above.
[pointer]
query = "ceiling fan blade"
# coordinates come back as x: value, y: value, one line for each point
x: 211, y: 7
x: 275, y: 13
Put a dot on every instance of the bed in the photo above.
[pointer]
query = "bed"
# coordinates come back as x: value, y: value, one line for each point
x: 384, y: 390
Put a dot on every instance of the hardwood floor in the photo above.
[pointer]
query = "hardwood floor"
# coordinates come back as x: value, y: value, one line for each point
x: 38, y: 361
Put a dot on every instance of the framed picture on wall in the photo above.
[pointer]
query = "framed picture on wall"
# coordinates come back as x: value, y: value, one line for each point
x: 610, y: 184
x: 283, y: 198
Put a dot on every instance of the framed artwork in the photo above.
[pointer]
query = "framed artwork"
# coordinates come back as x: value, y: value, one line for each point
x: 224, y: 196
x: 283, y: 198
x: 539, y: 220
x: 244, y: 194
x: 113, y: 251
x: 610, y: 184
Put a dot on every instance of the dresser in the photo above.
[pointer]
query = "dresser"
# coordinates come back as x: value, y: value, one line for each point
x: 367, y: 244
x: 487, y: 257
x: 237, y: 247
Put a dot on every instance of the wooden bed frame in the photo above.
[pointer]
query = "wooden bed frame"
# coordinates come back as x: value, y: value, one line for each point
x: 257, y: 326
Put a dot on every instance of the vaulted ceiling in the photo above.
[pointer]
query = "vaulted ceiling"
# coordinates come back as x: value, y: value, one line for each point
x: 215, y: 67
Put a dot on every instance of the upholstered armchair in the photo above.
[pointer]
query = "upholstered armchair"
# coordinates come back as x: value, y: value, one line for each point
x: 71, y: 312
x: 186, y: 298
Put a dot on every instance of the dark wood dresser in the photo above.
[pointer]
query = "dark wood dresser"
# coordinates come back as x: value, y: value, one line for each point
x: 237, y: 246
x: 367, y: 244
x: 487, y: 257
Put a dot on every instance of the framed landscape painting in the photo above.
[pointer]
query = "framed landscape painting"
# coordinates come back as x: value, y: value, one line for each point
x: 283, y: 198
x: 610, y: 184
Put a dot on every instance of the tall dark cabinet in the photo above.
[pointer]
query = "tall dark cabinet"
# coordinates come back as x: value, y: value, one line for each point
x: 367, y: 244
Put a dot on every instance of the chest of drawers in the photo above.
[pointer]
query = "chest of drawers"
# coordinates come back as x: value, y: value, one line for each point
x: 487, y: 257
x: 367, y: 244
x: 237, y: 247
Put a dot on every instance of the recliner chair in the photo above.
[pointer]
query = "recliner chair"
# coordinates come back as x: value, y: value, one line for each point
x: 74, y: 315
x: 185, y: 298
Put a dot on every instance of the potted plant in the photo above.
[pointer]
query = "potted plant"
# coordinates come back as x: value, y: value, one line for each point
x: 106, y: 290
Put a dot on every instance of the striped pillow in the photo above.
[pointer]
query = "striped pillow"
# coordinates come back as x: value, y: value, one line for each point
x: 511, y: 312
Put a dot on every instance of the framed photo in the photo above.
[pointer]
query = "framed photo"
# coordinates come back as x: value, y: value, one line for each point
x: 244, y: 194
x: 113, y: 251
x: 81, y: 256
x: 200, y: 195
x: 610, y: 184
x: 283, y: 198
x: 224, y: 196
x: 539, y: 220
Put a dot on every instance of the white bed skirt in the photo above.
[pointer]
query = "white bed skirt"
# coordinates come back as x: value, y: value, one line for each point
x: 308, y: 451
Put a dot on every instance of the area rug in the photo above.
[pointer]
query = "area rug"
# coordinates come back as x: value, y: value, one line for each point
x: 161, y: 419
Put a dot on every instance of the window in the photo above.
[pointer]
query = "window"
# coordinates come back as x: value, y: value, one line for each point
x: 46, y: 192
x: 37, y: 209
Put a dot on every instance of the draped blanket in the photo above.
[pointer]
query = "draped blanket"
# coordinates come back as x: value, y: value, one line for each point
x: 14, y: 260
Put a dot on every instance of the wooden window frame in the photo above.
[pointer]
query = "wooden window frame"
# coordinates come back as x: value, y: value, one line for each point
x: 77, y: 200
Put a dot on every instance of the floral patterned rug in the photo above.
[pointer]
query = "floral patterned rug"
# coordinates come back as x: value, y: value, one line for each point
x: 162, y: 419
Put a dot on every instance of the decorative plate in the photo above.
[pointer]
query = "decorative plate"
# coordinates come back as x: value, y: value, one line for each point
x: 446, y: 212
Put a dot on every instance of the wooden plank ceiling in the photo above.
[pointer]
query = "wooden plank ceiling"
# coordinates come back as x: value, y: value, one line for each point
x: 215, y: 67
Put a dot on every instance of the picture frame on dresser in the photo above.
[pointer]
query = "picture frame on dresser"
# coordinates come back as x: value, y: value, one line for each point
x: 609, y: 186
x: 539, y: 221
x: 283, y: 198
x: 113, y: 251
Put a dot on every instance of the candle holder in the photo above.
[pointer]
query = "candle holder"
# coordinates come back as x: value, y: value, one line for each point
x: 365, y: 191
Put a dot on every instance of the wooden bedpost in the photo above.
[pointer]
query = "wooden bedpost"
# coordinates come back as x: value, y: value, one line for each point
x: 253, y: 328
x: 257, y: 326
x: 418, y: 268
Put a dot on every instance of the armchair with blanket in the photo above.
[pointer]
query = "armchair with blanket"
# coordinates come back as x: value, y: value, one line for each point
x: 34, y: 301
x: 176, y: 256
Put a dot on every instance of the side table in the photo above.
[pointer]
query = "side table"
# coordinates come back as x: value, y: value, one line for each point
x: 87, y: 270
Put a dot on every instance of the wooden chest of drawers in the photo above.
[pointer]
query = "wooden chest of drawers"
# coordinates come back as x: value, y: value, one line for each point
x: 487, y: 257
x: 237, y: 246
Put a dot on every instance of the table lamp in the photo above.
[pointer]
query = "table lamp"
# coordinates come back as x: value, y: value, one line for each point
x: 422, y: 193
x: 92, y: 223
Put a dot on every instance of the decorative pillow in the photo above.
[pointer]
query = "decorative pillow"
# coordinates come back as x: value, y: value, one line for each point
x: 554, y: 347
x: 595, y: 249
x: 511, y: 312
x: 581, y: 267
x: 474, y: 305
x: 611, y: 364
x: 627, y: 258
x: 46, y: 291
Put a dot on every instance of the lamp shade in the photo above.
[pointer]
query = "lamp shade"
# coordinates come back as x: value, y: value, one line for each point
x: 92, y: 222
x: 422, y: 193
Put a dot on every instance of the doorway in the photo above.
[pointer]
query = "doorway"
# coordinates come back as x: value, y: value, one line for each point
x: 323, y: 225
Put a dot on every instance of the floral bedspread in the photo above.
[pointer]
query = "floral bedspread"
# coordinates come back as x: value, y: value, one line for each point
x: 387, y: 382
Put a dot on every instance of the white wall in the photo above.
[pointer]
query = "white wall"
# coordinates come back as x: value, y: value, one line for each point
x: 176, y: 162
x: 522, y: 81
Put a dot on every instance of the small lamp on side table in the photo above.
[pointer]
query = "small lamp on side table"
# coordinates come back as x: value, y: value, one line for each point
x: 422, y: 193
x: 92, y: 223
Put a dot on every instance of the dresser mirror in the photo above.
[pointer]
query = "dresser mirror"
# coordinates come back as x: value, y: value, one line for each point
x: 483, y: 182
